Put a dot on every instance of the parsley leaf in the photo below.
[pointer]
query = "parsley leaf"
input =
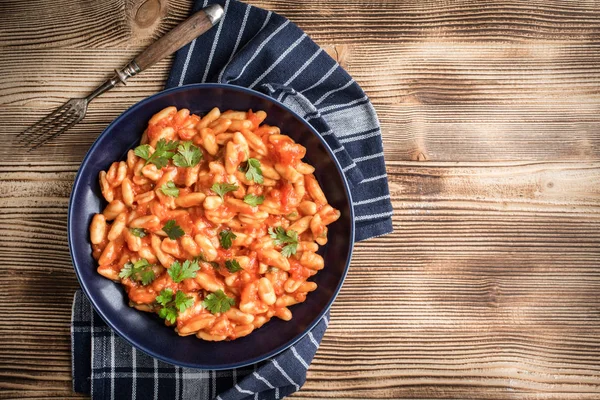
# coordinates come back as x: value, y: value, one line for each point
x: 222, y: 188
x: 233, y: 266
x: 254, y: 173
x: 289, y: 250
x: 183, y: 302
x: 141, y: 271
x: 226, y: 237
x: 218, y: 302
x: 168, y: 313
x: 170, y: 189
x: 142, y: 151
x: 164, y: 297
x: 201, y: 257
x: 280, y: 238
x: 253, y: 200
x: 139, y: 232
x: 148, y: 276
x: 162, y: 154
x: 173, y: 230
x: 170, y: 306
x: 187, y: 155
x: 179, y: 272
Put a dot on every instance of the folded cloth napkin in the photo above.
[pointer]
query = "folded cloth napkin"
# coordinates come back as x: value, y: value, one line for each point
x: 258, y: 49
x: 105, y: 366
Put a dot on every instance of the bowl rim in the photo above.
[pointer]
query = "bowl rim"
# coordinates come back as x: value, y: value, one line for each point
x: 132, y: 341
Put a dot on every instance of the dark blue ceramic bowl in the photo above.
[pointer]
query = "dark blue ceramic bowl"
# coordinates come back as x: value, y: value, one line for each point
x: 146, y: 331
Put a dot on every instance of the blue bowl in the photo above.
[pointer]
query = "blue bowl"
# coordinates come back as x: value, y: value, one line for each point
x: 146, y: 331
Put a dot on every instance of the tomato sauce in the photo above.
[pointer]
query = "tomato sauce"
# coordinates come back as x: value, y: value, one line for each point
x: 257, y: 291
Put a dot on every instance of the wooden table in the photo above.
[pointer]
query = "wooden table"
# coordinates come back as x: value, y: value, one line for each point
x: 488, y: 287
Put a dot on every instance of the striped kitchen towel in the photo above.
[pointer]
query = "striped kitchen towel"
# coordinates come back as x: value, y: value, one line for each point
x: 105, y: 366
x: 258, y: 49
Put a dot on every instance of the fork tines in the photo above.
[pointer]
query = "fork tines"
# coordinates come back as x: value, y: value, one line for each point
x: 52, y: 125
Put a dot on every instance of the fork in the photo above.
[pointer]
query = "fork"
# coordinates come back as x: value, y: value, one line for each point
x: 75, y: 109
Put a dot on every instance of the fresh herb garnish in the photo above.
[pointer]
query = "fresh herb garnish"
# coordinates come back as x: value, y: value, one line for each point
x: 172, y: 307
x: 141, y: 271
x: 233, y: 266
x: 173, y: 230
x: 201, y: 258
x: 218, y: 302
x: 187, y: 155
x: 139, y: 232
x: 289, y: 239
x: 162, y: 154
x: 253, y: 200
x: 179, y: 272
x: 222, y: 188
x: 226, y: 238
x: 170, y: 189
x: 253, y: 171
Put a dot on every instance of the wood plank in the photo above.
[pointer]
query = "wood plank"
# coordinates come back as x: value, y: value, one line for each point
x: 110, y: 23
x: 488, y: 286
x: 382, y: 21
x: 84, y: 24
x: 526, y: 102
x: 450, y: 312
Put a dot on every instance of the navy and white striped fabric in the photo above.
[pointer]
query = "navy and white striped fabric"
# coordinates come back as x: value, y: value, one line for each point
x: 107, y: 367
x: 261, y: 50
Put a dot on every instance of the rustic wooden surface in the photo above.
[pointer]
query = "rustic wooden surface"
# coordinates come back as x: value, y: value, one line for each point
x: 487, y: 289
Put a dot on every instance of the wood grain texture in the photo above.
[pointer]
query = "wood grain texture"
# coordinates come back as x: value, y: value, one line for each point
x: 488, y: 287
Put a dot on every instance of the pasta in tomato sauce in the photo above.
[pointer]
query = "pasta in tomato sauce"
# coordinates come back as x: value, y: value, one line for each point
x: 213, y: 223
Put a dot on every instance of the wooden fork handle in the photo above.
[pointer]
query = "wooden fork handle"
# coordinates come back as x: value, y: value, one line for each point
x: 179, y: 36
